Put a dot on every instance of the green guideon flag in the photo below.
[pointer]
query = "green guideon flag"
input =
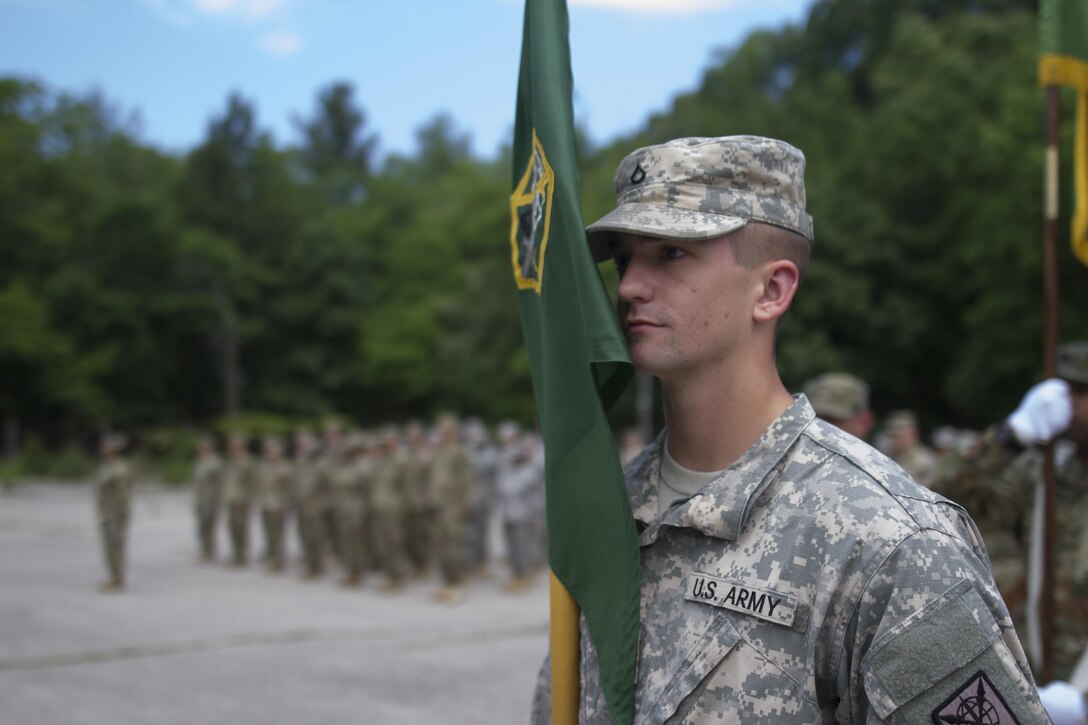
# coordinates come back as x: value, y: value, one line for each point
x: 578, y: 359
x: 1063, y: 61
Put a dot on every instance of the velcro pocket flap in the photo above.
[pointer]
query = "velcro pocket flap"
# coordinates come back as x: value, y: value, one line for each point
x: 930, y: 644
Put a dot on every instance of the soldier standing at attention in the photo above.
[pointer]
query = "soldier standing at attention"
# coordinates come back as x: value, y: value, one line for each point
x: 208, y: 491
x: 907, y: 449
x: 332, y: 457
x: 451, y: 486
x: 238, y: 491
x: 309, y: 502
x: 485, y: 461
x: 790, y: 573
x: 113, y: 492
x: 388, y: 501
x: 519, y: 479
x: 419, y: 513
x: 350, y: 493
x: 274, y: 487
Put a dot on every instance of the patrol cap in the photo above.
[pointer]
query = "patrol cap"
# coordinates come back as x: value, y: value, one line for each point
x: 272, y: 445
x: 839, y: 396
x: 1073, y: 362
x: 702, y: 188
x: 901, y: 420
x: 356, y: 441
x: 114, y: 442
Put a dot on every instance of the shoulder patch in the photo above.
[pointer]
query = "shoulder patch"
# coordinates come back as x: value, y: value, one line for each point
x: 978, y: 701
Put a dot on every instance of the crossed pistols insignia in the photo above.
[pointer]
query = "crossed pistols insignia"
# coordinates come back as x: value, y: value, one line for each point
x: 531, y: 213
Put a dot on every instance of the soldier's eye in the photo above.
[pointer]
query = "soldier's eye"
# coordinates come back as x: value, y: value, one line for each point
x: 671, y: 252
x: 621, y: 261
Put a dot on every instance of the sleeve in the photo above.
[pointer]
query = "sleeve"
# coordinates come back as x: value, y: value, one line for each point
x: 933, y: 642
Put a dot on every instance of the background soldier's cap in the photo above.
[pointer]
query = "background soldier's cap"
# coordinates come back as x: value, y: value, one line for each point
x: 115, y: 442
x: 901, y: 420
x: 356, y: 441
x: 1073, y: 362
x: 838, y: 396
x: 702, y: 188
x: 272, y: 444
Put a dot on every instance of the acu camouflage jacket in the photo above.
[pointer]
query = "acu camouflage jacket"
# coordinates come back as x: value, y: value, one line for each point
x: 813, y: 582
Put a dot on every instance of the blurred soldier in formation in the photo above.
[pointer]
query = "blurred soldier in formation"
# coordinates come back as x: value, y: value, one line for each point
x: 451, y: 487
x: 946, y: 446
x: 907, y: 449
x: 485, y: 461
x: 350, y: 483
x: 843, y: 401
x: 309, y: 502
x: 238, y: 491
x: 520, y: 485
x: 388, y: 506
x: 274, y: 486
x: 113, y: 488
x: 996, y: 483
x: 208, y: 492
x: 332, y: 457
x: 419, y: 511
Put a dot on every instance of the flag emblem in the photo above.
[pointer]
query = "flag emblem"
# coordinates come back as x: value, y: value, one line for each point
x: 531, y: 212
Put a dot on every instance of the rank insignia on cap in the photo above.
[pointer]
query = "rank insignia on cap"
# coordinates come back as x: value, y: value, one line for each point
x: 976, y: 703
x: 531, y: 213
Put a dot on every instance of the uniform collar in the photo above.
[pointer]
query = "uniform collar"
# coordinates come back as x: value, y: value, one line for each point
x: 722, y: 507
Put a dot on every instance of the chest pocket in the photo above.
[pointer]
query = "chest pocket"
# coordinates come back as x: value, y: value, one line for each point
x: 725, y: 679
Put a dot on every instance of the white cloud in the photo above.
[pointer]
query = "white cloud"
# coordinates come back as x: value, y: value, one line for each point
x: 184, y: 12
x: 674, y: 7
x: 281, y: 43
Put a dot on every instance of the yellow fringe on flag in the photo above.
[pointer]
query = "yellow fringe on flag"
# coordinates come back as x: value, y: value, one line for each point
x: 1064, y: 70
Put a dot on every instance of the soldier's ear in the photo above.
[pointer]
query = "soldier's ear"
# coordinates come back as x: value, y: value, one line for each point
x: 777, y: 284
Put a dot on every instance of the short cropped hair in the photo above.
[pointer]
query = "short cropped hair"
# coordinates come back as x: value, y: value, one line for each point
x: 757, y: 243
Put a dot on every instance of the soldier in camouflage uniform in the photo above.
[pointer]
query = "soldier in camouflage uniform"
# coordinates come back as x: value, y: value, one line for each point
x: 238, y: 490
x: 843, y: 401
x: 521, y: 477
x: 419, y: 511
x: 996, y: 482
x: 309, y: 503
x: 388, y: 507
x: 113, y: 493
x: 907, y: 449
x: 790, y: 573
x: 350, y: 483
x: 332, y: 457
x: 208, y: 492
x: 274, y: 476
x: 451, y: 486
x: 485, y: 460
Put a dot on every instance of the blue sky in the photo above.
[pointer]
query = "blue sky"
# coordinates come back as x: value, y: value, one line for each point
x: 174, y: 62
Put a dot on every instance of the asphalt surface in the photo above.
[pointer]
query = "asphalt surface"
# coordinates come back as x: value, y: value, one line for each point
x: 198, y: 643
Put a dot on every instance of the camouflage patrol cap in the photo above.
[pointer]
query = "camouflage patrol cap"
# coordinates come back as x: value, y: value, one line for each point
x: 1073, y: 362
x: 115, y: 442
x: 839, y: 396
x: 272, y: 445
x: 356, y: 441
x: 901, y: 420
x: 702, y: 188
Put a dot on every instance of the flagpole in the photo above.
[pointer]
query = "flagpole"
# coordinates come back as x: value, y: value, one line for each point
x: 1050, y: 346
x: 565, y: 654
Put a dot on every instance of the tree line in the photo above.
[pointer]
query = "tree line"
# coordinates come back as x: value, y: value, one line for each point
x: 245, y: 281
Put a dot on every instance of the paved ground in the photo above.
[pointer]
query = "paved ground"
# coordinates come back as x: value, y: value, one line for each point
x: 188, y: 643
